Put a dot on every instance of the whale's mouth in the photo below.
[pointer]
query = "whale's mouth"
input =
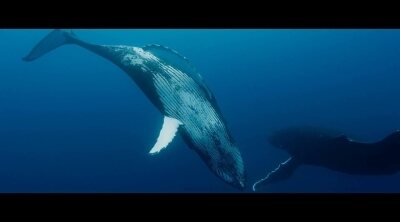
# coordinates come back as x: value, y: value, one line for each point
x: 237, y: 181
x: 227, y: 165
x: 241, y: 185
x: 230, y: 169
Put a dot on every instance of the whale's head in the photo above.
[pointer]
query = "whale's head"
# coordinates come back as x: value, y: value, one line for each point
x: 231, y: 169
x: 287, y: 139
x: 292, y: 140
x: 300, y: 140
x: 227, y: 165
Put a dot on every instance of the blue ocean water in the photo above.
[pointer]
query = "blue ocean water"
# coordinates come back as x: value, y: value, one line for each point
x: 74, y: 122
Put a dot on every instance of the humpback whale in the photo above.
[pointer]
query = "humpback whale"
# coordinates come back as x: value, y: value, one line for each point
x: 334, y: 151
x: 177, y: 90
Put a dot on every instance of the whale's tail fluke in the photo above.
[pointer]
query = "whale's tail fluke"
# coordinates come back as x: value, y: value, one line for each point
x: 52, y: 41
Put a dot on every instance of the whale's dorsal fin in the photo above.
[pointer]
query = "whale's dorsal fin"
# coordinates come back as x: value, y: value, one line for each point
x: 177, y: 60
x: 167, y: 134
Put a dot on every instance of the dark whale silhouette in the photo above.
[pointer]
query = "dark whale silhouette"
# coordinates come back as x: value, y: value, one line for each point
x: 335, y: 151
x: 175, y: 87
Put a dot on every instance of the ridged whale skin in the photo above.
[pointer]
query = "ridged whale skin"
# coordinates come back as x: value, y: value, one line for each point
x: 175, y: 87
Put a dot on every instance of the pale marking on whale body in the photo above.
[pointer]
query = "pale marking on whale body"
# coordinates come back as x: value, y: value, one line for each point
x: 167, y: 133
x: 138, y: 57
x: 269, y: 174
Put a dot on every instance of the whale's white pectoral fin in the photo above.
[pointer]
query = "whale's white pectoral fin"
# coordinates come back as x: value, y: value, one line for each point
x: 167, y: 133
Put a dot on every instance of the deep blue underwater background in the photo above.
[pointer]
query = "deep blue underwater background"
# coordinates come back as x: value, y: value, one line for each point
x: 74, y: 122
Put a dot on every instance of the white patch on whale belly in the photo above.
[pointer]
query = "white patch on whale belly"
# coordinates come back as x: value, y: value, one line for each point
x: 167, y: 133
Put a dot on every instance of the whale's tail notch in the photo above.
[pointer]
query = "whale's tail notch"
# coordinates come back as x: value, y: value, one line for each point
x: 53, y: 40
